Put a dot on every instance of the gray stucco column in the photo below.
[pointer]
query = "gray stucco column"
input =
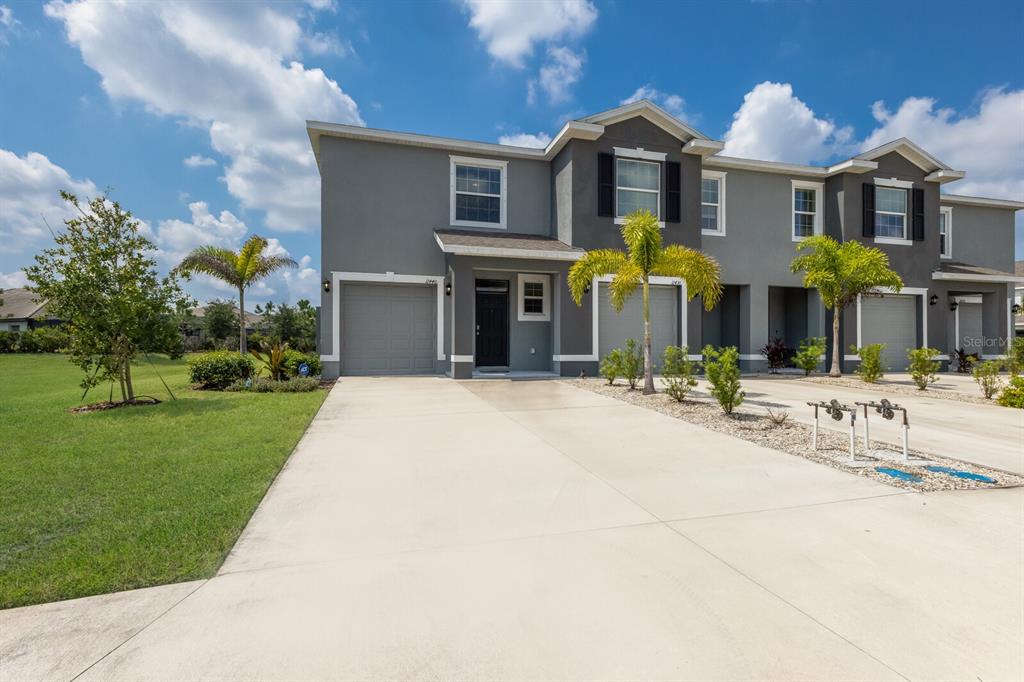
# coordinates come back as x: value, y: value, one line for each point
x: 994, y: 319
x: 463, y: 301
x: 574, y: 328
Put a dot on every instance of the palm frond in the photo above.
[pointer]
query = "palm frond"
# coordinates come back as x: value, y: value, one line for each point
x: 213, y: 261
x: 699, y: 270
x: 596, y: 263
x: 249, y: 254
x: 625, y: 282
x: 642, y: 235
x: 263, y: 266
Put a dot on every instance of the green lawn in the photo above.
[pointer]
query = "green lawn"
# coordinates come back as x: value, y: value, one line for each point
x: 119, y: 499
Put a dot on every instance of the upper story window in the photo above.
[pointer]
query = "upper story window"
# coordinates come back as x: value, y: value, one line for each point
x: 890, y: 213
x: 637, y: 187
x: 806, y: 209
x: 534, y: 299
x: 946, y: 231
x: 478, y: 192
x: 712, y: 203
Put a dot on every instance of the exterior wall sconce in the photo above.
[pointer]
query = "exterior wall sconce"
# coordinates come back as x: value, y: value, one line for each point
x: 327, y: 286
x: 586, y: 290
x: 953, y: 305
x: 933, y: 300
x: 447, y: 288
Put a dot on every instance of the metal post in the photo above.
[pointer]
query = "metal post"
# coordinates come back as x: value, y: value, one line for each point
x: 906, y: 427
x: 815, y: 439
x: 867, y: 433
x: 853, y: 435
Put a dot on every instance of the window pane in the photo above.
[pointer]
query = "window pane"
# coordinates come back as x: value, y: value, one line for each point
x: 533, y: 305
x: 894, y: 200
x: 628, y: 201
x: 942, y: 223
x: 803, y: 200
x: 889, y: 225
x: 479, y: 209
x: 533, y: 289
x: 803, y: 224
x: 709, y: 218
x: 942, y: 243
x: 709, y: 191
x: 477, y: 179
x: 638, y: 174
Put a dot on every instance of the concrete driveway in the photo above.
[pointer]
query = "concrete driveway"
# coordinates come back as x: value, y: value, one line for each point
x: 426, y: 528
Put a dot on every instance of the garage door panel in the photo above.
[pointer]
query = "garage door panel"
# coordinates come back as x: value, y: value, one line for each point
x: 615, y: 327
x: 891, y: 320
x: 970, y: 327
x: 388, y: 329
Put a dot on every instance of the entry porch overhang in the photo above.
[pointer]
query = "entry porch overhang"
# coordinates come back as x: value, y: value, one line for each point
x: 505, y: 245
x: 965, y: 272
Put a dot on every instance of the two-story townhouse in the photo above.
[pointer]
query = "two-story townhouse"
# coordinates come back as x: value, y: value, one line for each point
x: 449, y: 256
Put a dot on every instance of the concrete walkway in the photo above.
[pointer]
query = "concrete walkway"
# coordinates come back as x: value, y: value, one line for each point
x: 426, y: 528
x: 985, y: 434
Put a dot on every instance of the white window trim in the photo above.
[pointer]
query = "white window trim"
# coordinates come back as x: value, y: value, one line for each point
x: 634, y: 155
x: 948, y: 212
x: 894, y: 183
x: 503, y: 197
x: 524, y: 316
x: 720, y: 176
x: 906, y: 203
x: 819, y: 191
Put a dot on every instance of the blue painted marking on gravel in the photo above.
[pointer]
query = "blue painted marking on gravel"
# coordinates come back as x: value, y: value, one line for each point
x: 961, y: 474
x: 896, y: 473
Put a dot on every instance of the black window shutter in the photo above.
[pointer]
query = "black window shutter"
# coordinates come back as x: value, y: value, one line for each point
x: 606, y: 185
x: 673, y: 192
x: 869, y: 210
x: 917, y: 206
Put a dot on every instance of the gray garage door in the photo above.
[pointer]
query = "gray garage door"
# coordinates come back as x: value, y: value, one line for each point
x: 614, y: 328
x: 891, y: 320
x: 970, y: 327
x: 388, y: 329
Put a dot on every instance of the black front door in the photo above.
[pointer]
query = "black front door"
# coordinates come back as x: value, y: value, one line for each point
x: 491, y: 323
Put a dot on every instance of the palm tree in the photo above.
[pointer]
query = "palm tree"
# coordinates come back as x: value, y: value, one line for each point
x: 841, y: 273
x: 241, y: 270
x: 644, y: 256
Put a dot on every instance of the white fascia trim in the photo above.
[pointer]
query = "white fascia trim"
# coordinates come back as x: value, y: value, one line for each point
x: 497, y: 252
x: 852, y: 166
x: 910, y: 151
x: 383, y: 277
x: 948, y: 212
x: 521, y: 279
x: 767, y: 166
x: 944, y: 176
x: 980, y: 201
x: 501, y: 165
x: 894, y: 240
x: 720, y: 176
x: 639, y: 153
x: 963, y: 277
x: 894, y: 182
x: 652, y: 112
x: 819, y: 197
x: 703, y: 148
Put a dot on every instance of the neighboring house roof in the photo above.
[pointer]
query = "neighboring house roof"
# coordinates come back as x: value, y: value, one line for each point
x: 965, y: 271
x: 506, y: 244
x: 251, y: 319
x: 20, y: 304
x: 981, y: 201
x: 1018, y: 268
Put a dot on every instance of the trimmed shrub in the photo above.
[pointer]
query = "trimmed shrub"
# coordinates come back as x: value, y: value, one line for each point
x: 986, y: 375
x: 1015, y: 356
x: 611, y: 366
x: 965, y: 360
x: 38, y: 340
x: 677, y: 370
x: 632, y: 363
x: 264, y: 385
x: 1012, y: 394
x: 218, y: 369
x: 808, y: 357
x: 923, y: 370
x: 293, y: 359
x: 775, y: 353
x: 870, y: 368
x: 723, y: 372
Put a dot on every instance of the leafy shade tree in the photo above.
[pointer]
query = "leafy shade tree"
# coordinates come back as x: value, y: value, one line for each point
x: 840, y: 273
x: 295, y: 326
x: 99, y: 279
x: 644, y: 257
x: 241, y: 270
x: 219, y: 320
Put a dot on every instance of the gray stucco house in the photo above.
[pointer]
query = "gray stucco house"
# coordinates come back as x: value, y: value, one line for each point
x: 448, y: 256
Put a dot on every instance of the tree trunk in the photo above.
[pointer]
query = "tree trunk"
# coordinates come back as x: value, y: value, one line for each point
x: 648, y: 368
x: 128, y: 379
x: 120, y: 381
x: 836, y: 346
x: 242, y: 348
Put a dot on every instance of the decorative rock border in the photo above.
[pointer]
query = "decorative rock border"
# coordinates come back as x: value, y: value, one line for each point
x: 794, y: 438
x: 898, y: 389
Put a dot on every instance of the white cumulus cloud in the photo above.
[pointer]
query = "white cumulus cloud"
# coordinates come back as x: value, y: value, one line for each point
x: 13, y: 280
x: 539, y: 140
x: 232, y: 72
x: 511, y: 28
x: 198, y: 161
x: 560, y: 71
x: 773, y: 124
x: 30, y: 198
x: 303, y: 282
x: 673, y: 104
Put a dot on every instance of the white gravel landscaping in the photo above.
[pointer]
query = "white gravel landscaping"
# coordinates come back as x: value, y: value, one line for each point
x: 794, y: 438
x: 902, y: 389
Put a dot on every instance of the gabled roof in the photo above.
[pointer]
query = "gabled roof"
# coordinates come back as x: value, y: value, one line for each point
x: 20, y: 304
x: 910, y: 151
x: 653, y: 113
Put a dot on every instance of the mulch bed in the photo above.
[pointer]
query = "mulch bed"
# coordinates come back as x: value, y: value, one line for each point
x: 107, y: 405
x: 794, y: 438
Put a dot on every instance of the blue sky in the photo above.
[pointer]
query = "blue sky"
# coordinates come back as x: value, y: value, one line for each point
x: 98, y: 95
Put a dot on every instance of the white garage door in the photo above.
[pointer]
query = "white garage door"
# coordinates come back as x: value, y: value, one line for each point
x: 388, y: 329
x: 970, y: 338
x: 615, y: 327
x: 891, y: 320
